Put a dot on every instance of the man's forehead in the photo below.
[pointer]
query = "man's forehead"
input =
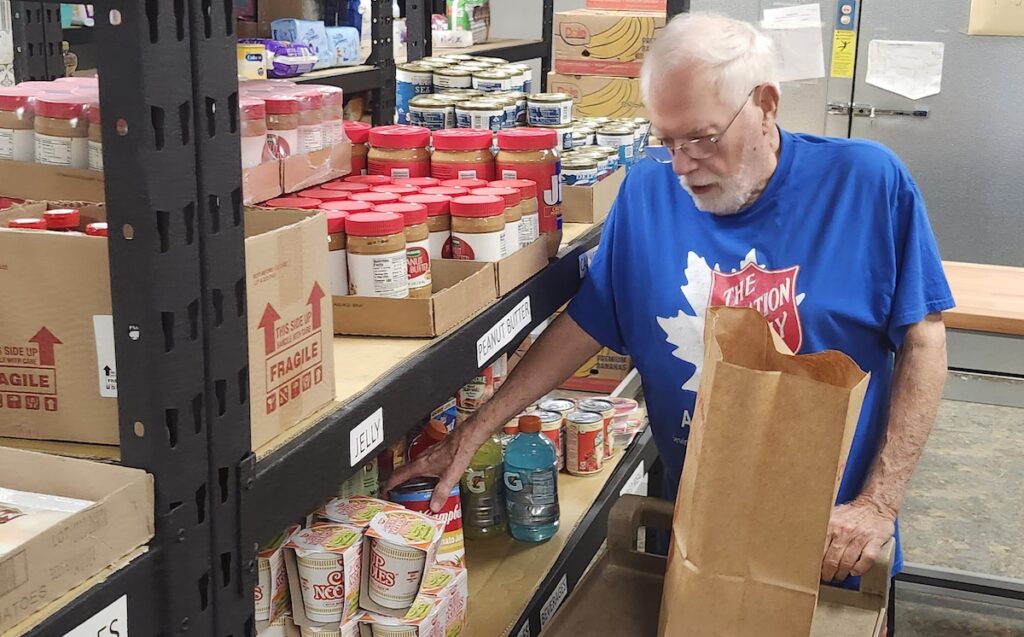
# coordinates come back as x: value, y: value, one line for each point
x: 686, y: 106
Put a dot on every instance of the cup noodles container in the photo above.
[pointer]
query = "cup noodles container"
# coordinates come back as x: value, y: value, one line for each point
x: 415, y: 496
x: 280, y: 627
x: 552, y: 425
x: 451, y: 583
x: 327, y: 563
x: 606, y: 408
x: 425, y: 618
x: 271, y: 595
x: 397, y: 547
x: 356, y: 510
x: 350, y: 629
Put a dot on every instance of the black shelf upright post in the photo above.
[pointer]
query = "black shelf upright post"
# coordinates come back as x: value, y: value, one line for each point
x: 420, y: 42
x: 383, y: 57
x: 547, y: 27
x: 37, y: 41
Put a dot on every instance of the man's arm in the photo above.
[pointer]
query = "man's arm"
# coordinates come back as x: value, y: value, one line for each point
x: 559, y: 352
x: 859, y: 528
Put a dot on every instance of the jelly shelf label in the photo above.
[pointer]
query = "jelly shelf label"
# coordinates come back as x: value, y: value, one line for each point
x: 366, y: 436
x: 503, y: 332
x: 112, y: 621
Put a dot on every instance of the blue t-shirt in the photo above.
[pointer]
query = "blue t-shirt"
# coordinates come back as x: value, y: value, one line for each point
x: 837, y: 253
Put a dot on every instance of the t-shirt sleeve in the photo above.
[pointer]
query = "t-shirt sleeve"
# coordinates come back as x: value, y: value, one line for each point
x: 920, y: 285
x: 594, y: 307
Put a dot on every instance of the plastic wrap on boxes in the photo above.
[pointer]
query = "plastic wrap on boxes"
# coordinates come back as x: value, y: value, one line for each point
x: 285, y: 59
x: 311, y: 32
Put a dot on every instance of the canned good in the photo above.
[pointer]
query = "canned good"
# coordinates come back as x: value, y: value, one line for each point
x: 561, y: 406
x: 511, y: 111
x: 476, y: 392
x: 549, y: 109
x: 411, y: 79
x: 603, y: 165
x: 446, y: 79
x: 491, y: 60
x: 480, y: 113
x: 552, y: 425
x: 564, y: 135
x: 579, y: 140
x: 527, y: 72
x: 458, y: 57
x: 587, y: 132
x: 518, y: 77
x: 584, y: 443
x: 464, y: 93
x: 619, y: 137
x: 644, y: 125
x: 579, y: 170
x: 429, y: 112
x: 435, y: 59
x: 415, y: 496
x: 606, y: 409
x: 520, y: 100
x: 492, y: 80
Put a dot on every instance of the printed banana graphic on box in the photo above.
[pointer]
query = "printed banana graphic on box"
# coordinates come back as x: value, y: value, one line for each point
x: 594, y: 42
x: 599, y: 96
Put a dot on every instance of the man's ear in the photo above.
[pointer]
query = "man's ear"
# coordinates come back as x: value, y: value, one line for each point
x: 767, y: 99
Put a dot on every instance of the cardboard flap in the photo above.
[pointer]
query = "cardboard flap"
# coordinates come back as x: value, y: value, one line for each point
x: 299, y: 172
x: 43, y: 473
x: 517, y: 268
x: 262, y: 182
x: 29, y: 180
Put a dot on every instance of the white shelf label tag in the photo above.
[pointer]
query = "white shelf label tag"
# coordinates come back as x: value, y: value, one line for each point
x: 636, y: 485
x: 366, y: 436
x: 547, y: 611
x: 586, y: 259
x: 503, y: 331
x: 112, y: 621
x: 525, y: 630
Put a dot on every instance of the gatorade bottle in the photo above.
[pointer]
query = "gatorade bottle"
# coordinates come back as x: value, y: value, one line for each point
x: 483, y: 508
x: 531, y: 483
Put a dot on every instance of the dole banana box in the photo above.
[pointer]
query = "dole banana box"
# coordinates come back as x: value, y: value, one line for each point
x: 443, y: 581
x: 595, y: 42
x: 600, y: 96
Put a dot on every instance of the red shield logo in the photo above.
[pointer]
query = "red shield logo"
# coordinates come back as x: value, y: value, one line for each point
x: 771, y: 292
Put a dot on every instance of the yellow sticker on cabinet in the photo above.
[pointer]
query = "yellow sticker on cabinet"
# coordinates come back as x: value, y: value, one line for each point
x: 844, y: 52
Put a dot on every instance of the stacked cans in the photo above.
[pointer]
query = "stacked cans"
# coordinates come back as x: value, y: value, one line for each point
x: 600, y: 145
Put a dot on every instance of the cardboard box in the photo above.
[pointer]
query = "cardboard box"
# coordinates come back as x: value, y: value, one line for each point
x: 451, y: 583
x: 291, y: 367
x: 262, y: 182
x: 272, y: 599
x: 600, y: 96
x: 426, y: 617
x: 344, y: 541
x: 40, y: 182
x: 48, y: 565
x: 601, y: 374
x: 299, y: 172
x: 627, y: 5
x: 517, y: 268
x: 461, y: 290
x: 593, y: 42
x: 591, y: 204
x: 404, y: 528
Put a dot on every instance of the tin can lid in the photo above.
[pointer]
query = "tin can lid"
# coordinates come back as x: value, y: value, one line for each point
x: 251, y: 107
x: 346, y: 186
x: 437, y: 205
x: 398, y: 189
x: 527, y: 139
x: 281, y: 104
x: 527, y: 187
x: 96, y: 229
x: 61, y: 218
x: 28, y: 223
x: 300, y: 203
x: 413, y: 213
x: 512, y: 196
x: 419, y: 182
x: 374, y: 224
x: 357, y: 132
x: 462, y: 139
x: 464, y: 183
x: 347, y: 205
x: 375, y: 198
x: 373, y: 180
x: 323, y: 194
x: 585, y: 417
x: 399, y: 136
x: 336, y: 221
x: 62, y: 106
x: 477, y: 206
x: 447, y: 191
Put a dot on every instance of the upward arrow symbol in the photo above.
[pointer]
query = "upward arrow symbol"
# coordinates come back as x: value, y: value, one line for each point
x: 269, y: 318
x: 315, y: 296
x: 45, y: 339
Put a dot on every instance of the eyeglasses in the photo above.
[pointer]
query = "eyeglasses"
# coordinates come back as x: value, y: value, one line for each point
x: 699, y: 148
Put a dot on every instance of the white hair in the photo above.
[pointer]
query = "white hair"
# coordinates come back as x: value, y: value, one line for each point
x: 734, y: 53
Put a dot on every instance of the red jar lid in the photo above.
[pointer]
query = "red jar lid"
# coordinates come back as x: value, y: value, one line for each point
x: 525, y: 186
x: 468, y: 184
x: 448, y: 191
x: 281, y: 104
x: 301, y: 203
x: 14, y: 97
x: 253, y: 108
x: 373, y: 180
x: 28, y: 223
x: 413, y: 213
x: 477, y: 206
x: 357, y: 132
x: 47, y: 87
x: 346, y: 186
x: 419, y: 182
x: 399, y: 136
x: 437, y: 205
x: 93, y: 112
x: 462, y: 139
x: 512, y: 196
x: 9, y: 202
x: 97, y: 229
x: 309, y: 99
x: 61, y: 218
x: 336, y: 221
x: 398, y: 189
x: 375, y: 198
x: 59, y: 106
x: 347, y: 205
x: 324, y: 195
x: 527, y: 139
x: 374, y: 224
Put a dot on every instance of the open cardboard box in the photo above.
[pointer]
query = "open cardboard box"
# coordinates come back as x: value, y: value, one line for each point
x: 299, y: 172
x: 461, y: 290
x: 29, y: 180
x: 67, y: 333
x: 47, y: 565
x: 591, y: 204
x: 262, y: 182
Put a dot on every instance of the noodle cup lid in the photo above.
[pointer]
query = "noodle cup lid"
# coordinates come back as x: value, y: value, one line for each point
x: 324, y: 538
x: 406, y: 528
x: 357, y: 510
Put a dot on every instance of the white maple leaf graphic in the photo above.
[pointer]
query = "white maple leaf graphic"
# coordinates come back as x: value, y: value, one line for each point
x: 685, y: 330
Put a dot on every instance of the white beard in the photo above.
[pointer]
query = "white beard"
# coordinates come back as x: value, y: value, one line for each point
x: 730, y: 194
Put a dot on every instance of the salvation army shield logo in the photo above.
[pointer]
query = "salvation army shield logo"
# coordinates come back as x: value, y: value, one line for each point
x: 770, y: 292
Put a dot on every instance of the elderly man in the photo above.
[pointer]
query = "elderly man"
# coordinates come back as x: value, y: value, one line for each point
x: 731, y: 209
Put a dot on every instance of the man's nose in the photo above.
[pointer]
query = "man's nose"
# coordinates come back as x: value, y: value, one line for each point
x: 683, y: 164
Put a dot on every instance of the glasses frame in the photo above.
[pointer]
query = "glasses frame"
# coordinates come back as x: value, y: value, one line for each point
x: 689, y: 148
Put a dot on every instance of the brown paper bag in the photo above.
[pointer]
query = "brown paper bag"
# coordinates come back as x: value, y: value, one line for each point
x: 767, y: 447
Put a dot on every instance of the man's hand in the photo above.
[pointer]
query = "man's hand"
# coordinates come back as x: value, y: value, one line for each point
x: 447, y: 460
x: 856, y: 533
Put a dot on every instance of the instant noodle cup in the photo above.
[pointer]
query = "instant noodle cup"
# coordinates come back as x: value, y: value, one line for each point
x: 399, y: 546
x: 327, y: 558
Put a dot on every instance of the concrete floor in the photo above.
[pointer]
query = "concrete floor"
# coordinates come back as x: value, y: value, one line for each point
x: 965, y: 510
